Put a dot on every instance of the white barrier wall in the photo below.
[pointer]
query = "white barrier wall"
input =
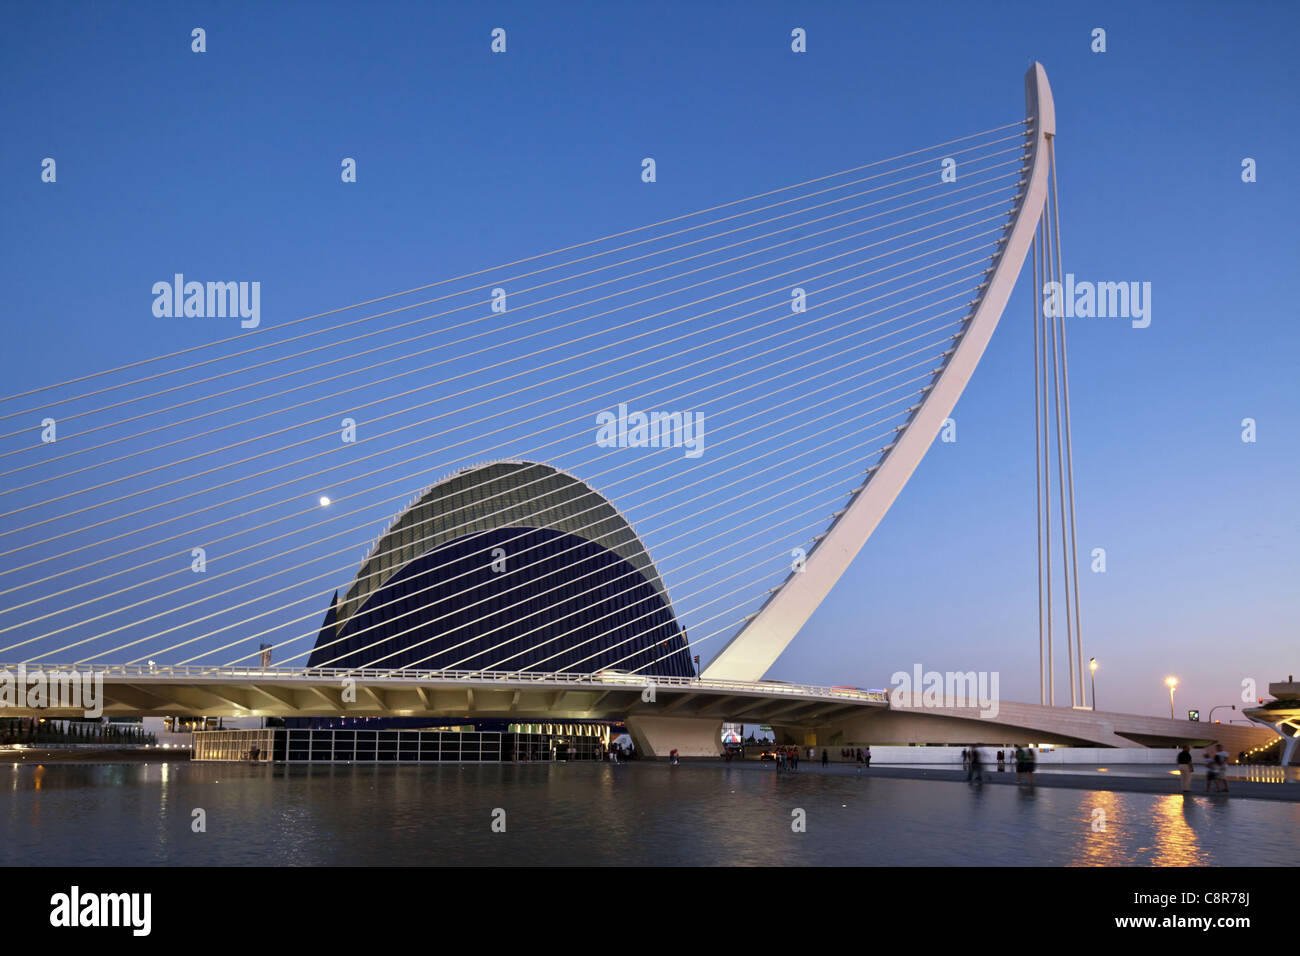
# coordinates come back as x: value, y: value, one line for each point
x: 945, y: 756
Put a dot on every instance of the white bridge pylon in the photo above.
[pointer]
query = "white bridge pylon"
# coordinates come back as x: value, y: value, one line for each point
x: 749, y: 654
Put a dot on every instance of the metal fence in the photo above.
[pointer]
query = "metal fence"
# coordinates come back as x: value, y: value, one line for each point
x: 233, y: 744
x: 395, y: 746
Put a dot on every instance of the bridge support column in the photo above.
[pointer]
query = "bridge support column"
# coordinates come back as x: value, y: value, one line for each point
x: 655, y: 737
x: 795, y: 736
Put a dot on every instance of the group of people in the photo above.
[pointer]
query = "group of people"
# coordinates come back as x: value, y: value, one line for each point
x: 787, y: 758
x: 863, y: 755
x: 1215, y: 759
x: 1025, y: 758
x: 1026, y: 763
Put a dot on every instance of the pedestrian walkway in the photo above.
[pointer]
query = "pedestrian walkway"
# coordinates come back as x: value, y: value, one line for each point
x: 1115, y: 780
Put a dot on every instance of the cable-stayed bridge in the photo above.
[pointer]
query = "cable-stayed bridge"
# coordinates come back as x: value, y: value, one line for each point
x: 606, y: 463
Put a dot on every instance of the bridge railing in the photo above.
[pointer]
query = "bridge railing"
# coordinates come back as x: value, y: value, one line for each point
x: 608, y: 680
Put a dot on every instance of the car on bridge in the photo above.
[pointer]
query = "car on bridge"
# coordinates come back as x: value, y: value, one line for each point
x: 620, y: 677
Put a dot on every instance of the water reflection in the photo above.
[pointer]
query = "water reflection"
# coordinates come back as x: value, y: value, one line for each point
x: 133, y: 814
x: 1175, y: 821
x: 1101, y: 831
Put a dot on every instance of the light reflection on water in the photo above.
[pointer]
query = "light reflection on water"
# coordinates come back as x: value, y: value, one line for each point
x: 140, y: 814
x: 1177, y: 840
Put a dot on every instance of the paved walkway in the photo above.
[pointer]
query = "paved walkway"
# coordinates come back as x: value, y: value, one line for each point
x: 1115, y: 780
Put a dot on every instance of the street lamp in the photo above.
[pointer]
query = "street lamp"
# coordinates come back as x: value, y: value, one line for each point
x: 1217, y: 706
x: 1172, y: 682
x: 1092, y: 666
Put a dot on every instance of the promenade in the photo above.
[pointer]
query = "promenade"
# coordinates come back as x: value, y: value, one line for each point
x: 1114, y: 779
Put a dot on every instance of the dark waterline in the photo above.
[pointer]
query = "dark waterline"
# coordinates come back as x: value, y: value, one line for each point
x: 565, y: 814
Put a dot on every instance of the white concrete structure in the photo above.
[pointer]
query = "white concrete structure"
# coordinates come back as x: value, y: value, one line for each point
x: 657, y: 737
x: 1014, y: 723
x: 661, y: 713
x: 194, y: 690
x: 1282, y: 714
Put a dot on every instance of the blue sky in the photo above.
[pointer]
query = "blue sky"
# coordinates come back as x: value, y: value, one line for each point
x: 226, y: 165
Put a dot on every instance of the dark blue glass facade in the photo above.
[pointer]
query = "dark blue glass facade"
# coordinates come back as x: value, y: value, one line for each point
x: 563, y: 604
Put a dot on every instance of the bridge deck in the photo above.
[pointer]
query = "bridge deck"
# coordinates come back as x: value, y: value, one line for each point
x: 141, y: 690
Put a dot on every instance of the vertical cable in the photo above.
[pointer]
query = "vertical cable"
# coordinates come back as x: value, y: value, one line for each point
x: 1047, y: 483
x: 1060, y: 457
x: 1069, y: 444
x: 1038, y: 477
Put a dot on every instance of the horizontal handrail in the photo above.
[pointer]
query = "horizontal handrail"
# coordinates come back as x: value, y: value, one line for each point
x: 607, y: 680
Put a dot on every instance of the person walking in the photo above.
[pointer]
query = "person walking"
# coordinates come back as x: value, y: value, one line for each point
x: 965, y: 759
x: 974, y: 772
x: 1211, y: 768
x: 1185, y: 767
x: 826, y: 758
x: 1020, y: 763
x: 866, y: 757
x: 1002, y: 760
x: 858, y: 754
x: 1031, y: 763
x: 794, y: 759
x: 1221, y: 766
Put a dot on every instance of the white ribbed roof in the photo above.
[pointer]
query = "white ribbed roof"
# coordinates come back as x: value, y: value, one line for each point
x: 498, y: 494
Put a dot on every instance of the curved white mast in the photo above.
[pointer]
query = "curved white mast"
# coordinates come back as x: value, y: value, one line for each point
x: 749, y: 654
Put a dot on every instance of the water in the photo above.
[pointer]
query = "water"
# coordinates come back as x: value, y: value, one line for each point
x: 556, y: 814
